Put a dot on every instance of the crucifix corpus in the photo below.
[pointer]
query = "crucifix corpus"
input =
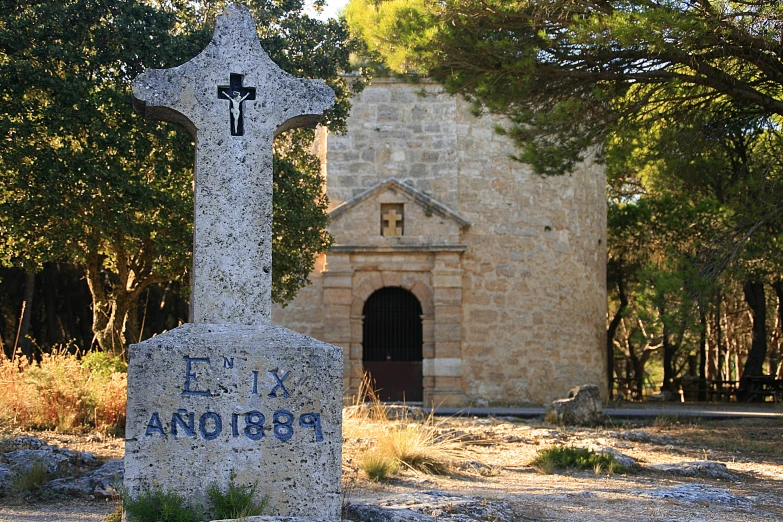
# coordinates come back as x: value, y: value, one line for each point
x: 229, y: 397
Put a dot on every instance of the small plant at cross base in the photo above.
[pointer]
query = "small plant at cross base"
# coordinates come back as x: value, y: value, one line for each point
x: 562, y: 457
x: 237, y: 501
x: 156, y: 505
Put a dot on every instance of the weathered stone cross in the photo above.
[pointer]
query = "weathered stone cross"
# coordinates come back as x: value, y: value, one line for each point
x: 232, y: 251
x: 392, y: 217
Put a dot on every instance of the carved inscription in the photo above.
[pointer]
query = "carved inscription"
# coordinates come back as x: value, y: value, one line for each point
x: 255, y: 425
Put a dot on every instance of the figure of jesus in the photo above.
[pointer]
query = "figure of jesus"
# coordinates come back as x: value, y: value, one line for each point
x: 236, y: 108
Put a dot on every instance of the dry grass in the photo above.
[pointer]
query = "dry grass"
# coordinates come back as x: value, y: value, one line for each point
x: 402, y: 443
x: 60, y: 393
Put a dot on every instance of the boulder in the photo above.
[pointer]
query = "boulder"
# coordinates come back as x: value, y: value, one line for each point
x: 429, y: 506
x: 99, y: 483
x: 703, y: 468
x: 582, y: 407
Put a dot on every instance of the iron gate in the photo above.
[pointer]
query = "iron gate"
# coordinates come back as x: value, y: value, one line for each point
x: 392, y: 344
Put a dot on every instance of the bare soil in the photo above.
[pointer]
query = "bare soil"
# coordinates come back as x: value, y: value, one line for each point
x: 495, y: 464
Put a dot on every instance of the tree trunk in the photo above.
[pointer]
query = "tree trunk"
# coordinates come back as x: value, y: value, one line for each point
x: 610, y: 332
x: 23, y: 339
x: 778, y: 287
x: 754, y: 364
x: 668, y: 357
x: 703, y: 353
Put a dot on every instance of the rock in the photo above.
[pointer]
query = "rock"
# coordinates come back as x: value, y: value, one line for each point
x: 6, y: 479
x: 22, y: 461
x: 99, y: 483
x: 643, y: 436
x: 430, y: 506
x: 20, y: 443
x: 57, y: 461
x: 704, y: 468
x: 582, y: 407
x: 695, y: 493
x: 621, y: 458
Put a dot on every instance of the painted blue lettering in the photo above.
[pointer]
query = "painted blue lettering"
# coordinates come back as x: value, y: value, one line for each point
x: 202, y: 425
x: 190, y: 376
x: 154, y: 426
x: 255, y: 382
x: 282, y: 422
x: 228, y: 363
x: 279, y: 385
x: 234, y: 426
x: 176, y: 419
x: 254, y: 425
x: 312, y: 420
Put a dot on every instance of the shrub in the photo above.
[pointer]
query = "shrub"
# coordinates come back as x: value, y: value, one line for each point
x: 61, y: 393
x: 559, y: 457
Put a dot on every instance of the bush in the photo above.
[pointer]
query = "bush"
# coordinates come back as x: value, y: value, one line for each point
x: 62, y: 393
x: 560, y: 457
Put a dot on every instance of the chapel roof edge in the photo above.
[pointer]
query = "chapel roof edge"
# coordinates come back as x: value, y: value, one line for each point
x: 417, y: 196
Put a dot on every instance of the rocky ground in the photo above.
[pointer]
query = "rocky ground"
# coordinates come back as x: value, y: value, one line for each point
x: 685, y: 471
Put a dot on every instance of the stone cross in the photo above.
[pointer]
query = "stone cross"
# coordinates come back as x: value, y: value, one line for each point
x: 233, y: 100
x: 232, y: 397
x: 392, y: 217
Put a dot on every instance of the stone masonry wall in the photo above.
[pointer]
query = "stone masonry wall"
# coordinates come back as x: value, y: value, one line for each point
x: 533, y: 298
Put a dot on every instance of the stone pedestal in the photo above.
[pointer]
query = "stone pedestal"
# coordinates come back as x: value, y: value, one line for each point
x: 207, y: 401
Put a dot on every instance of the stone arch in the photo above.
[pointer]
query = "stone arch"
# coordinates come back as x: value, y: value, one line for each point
x: 369, y: 286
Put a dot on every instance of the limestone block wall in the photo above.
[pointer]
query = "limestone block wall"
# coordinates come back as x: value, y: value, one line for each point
x: 519, y: 315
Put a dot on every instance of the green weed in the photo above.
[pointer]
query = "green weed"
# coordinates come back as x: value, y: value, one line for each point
x: 562, y: 457
x: 156, y: 505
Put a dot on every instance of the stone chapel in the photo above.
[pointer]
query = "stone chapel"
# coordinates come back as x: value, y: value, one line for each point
x: 458, y: 276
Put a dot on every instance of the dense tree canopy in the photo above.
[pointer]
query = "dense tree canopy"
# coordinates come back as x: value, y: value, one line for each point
x: 84, y: 179
x: 566, y: 72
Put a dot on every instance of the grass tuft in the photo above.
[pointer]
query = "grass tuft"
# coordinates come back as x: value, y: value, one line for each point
x: 378, y: 466
x: 561, y: 457
x: 401, y: 443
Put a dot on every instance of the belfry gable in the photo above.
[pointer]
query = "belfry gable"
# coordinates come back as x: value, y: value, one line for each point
x: 393, y: 213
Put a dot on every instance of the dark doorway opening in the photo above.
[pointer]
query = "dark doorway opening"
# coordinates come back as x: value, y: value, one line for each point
x: 392, y: 344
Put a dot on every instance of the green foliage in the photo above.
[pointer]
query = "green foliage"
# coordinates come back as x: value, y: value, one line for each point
x: 103, y: 364
x: 569, y: 73
x: 562, y: 457
x: 86, y: 180
x: 156, y: 505
x: 237, y: 501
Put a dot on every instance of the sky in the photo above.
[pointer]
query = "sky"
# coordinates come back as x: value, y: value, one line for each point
x: 332, y: 8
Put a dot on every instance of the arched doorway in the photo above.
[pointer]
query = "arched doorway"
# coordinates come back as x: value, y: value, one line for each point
x: 392, y: 344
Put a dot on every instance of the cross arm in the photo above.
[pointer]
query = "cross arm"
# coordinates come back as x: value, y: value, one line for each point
x: 154, y: 98
x: 305, y: 108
